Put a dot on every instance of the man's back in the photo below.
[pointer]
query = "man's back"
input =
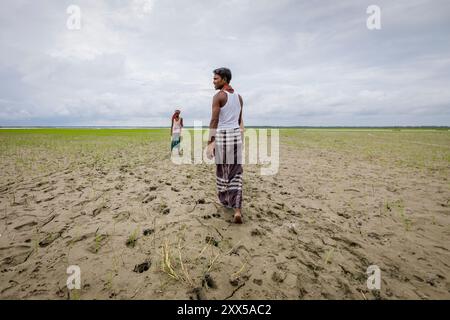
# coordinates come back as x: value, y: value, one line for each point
x: 229, y: 113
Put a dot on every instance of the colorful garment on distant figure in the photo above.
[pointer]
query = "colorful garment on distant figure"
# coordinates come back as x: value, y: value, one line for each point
x: 176, y: 132
x: 175, y: 141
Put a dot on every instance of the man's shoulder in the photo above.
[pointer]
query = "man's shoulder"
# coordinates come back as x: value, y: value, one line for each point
x: 221, y: 93
x: 221, y: 96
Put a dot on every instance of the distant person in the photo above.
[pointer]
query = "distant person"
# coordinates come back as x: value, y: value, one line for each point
x: 225, y: 142
x: 175, y: 131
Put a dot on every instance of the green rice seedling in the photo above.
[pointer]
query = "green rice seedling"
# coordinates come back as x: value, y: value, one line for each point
x: 132, y: 239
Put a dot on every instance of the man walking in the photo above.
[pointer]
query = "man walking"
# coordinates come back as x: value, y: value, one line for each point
x: 225, y: 141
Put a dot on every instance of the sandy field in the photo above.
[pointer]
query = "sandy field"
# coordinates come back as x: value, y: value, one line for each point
x: 138, y: 226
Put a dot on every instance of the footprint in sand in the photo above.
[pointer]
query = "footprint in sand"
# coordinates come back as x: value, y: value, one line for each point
x: 164, y: 209
x: 209, y: 281
x: 80, y: 238
x: 211, y: 240
x: 197, y: 294
x: 49, y: 239
x: 26, y: 226
x: 278, y: 276
x: 119, y: 186
x: 214, y: 215
x: 46, y: 199
x: 21, y: 202
x: 257, y: 232
x: 98, y: 210
x: 19, y: 255
x: 148, y: 232
x: 140, y: 268
x: 148, y: 198
x: 259, y: 282
x: 124, y: 168
x: 99, y: 241
x: 122, y: 216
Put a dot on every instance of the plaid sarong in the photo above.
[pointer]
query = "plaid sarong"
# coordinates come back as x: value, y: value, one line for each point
x: 228, y: 156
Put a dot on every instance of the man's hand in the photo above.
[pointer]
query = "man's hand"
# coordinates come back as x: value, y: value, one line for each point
x: 210, y: 150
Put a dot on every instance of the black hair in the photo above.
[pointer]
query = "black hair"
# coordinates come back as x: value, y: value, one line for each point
x: 224, y: 73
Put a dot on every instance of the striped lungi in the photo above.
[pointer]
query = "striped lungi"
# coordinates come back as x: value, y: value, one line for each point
x: 228, y: 155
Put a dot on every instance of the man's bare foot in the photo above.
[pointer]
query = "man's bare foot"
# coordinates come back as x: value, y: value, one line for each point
x: 237, y: 217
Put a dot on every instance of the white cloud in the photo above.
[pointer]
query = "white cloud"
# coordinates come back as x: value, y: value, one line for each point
x: 133, y: 62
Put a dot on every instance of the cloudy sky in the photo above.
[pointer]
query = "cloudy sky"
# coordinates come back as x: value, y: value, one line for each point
x: 294, y: 62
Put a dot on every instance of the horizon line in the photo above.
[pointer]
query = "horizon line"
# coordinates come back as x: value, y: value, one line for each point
x: 207, y: 127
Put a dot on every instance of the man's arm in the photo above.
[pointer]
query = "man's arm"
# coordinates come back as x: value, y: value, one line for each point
x: 216, y: 104
x: 241, y: 119
x: 171, y: 127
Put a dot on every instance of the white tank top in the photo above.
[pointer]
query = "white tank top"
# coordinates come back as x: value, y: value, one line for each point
x: 176, y: 126
x: 229, y: 113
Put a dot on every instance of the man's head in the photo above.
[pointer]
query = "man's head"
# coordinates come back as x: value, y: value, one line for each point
x: 222, y: 76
